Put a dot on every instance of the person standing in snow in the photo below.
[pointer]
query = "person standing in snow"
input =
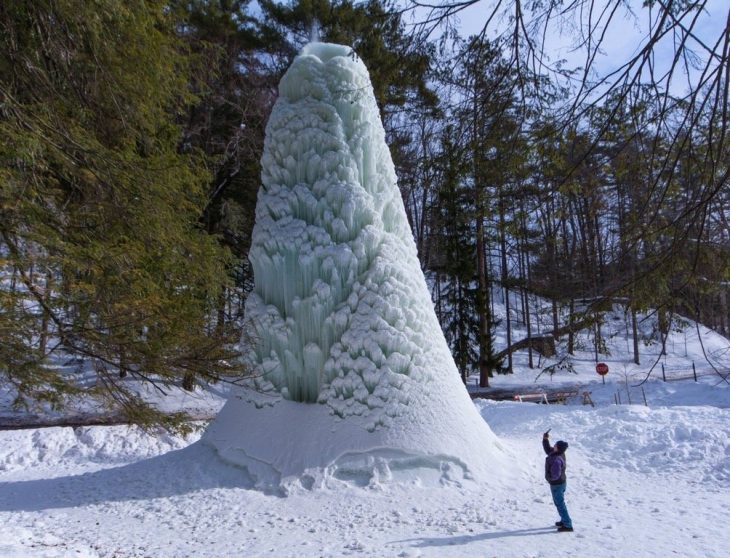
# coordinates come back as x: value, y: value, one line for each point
x: 555, y: 465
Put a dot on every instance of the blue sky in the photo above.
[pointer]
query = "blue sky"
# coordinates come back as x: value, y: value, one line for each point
x: 624, y: 37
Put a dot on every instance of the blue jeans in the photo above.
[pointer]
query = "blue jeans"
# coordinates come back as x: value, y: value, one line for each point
x: 558, y: 491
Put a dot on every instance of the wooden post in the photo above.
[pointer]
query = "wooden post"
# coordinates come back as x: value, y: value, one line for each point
x: 664, y: 376
x: 587, y: 398
x: 694, y: 370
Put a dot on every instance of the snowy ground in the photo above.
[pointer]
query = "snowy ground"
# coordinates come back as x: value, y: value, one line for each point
x: 643, y: 481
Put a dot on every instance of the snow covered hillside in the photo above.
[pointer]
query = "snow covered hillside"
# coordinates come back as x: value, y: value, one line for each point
x: 690, y: 348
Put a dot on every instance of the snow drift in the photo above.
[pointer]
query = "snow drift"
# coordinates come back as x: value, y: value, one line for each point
x: 353, y: 379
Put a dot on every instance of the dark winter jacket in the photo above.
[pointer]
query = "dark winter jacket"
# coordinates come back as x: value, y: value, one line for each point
x: 555, y: 464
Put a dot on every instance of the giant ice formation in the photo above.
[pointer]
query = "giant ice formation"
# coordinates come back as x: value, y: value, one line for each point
x: 352, y: 376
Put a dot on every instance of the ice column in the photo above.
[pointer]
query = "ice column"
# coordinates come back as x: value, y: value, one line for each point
x: 340, y: 309
x: 340, y: 313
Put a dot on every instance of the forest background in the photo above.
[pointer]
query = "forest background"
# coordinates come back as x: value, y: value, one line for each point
x: 130, y: 143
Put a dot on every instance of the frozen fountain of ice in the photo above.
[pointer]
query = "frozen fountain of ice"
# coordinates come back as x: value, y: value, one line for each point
x: 352, y: 376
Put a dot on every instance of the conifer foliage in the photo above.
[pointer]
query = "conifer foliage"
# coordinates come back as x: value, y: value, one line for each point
x: 100, y: 247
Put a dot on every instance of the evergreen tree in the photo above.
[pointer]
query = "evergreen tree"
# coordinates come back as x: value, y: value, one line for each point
x: 453, y: 254
x: 234, y: 95
x: 485, y: 90
x: 99, y: 210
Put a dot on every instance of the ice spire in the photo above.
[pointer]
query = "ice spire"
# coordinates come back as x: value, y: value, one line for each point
x: 341, y: 312
x: 340, y: 305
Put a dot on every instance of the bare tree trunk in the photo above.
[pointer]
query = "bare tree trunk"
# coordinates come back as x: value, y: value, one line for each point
x: 529, y: 328
x: 635, y: 333
x: 463, y: 345
x: 663, y: 324
x: 46, y: 319
x: 14, y: 279
x: 505, y: 278
x: 526, y: 305
x: 483, y: 295
x: 221, y: 311
x: 724, y: 317
x: 571, y: 334
x: 122, y: 363
x: 229, y: 302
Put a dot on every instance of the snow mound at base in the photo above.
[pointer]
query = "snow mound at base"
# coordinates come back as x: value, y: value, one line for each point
x: 368, y: 469
x: 285, y: 446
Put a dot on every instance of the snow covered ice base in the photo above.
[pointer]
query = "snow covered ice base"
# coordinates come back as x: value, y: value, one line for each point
x: 352, y: 377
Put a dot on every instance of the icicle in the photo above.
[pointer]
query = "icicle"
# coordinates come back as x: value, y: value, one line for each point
x: 320, y: 231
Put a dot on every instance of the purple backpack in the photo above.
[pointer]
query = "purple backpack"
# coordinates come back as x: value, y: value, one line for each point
x: 555, y: 468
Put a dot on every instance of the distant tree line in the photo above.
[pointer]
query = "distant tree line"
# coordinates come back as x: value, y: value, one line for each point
x: 130, y: 141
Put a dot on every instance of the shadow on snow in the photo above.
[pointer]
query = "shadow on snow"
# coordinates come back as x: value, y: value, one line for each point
x: 176, y: 473
x: 467, y: 539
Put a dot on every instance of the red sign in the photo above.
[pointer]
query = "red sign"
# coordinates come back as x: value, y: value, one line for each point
x: 602, y: 368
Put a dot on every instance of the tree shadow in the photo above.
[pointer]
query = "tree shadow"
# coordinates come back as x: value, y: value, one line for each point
x: 468, y: 539
x: 196, y: 467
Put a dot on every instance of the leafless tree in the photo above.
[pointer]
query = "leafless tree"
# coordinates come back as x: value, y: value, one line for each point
x: 687, y: 92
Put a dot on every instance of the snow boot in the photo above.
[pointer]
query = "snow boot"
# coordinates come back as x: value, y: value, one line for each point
x: 558, y: 523
x: 564, y: 529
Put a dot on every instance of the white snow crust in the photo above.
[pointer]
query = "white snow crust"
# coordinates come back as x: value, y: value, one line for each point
x: 347, y: 345
x: 643, y: 481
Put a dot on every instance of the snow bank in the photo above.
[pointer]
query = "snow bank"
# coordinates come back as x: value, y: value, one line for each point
x: 53, y: 447
x: 357, y: 379
x: 688, y: 443
x: 290, y: 445
x: 669, y: 441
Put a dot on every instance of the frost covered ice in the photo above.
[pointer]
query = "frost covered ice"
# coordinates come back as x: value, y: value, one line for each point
x: 352, y: 376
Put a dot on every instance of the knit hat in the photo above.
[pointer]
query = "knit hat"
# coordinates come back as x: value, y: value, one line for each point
x: 561, y: 446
